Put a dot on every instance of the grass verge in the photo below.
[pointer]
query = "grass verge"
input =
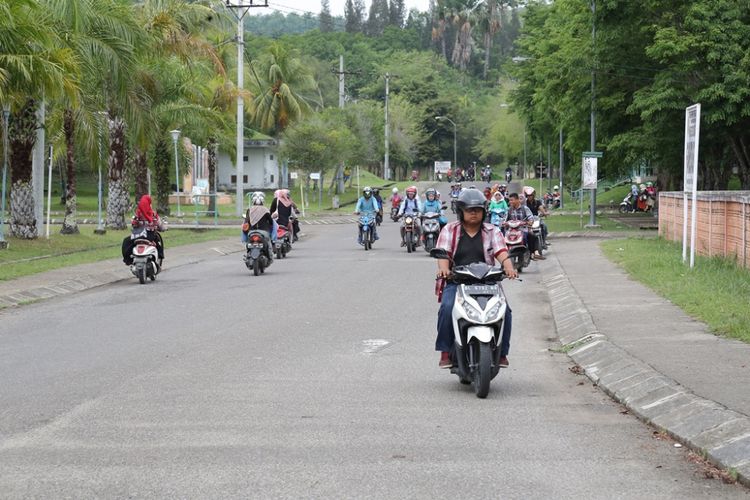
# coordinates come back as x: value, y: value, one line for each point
x: 716, y: 291
x: 26, y: 257
x: 567, y: 223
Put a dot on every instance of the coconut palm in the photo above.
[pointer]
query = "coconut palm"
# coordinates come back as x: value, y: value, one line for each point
x: 280, y: 79
x: 34, y: 62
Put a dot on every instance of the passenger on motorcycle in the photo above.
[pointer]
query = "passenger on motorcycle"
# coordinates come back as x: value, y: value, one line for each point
x: 469, y: 240
x: 258, y: 217
x: 519, y: 211
x: 379, y: 199
x: 395, y: 198
x: 456, y: 189
x: 498, y: 205
x: 410, y: 206
x: 145, y: 218
x: 367, y: 204
x: 537, y: 208
x: 282, y: 208
x: 432, y: 204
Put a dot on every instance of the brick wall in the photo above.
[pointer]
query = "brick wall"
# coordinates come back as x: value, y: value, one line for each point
x: 723, y: 222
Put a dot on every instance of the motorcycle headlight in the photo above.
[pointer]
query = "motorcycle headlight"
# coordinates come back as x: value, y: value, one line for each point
x: 492, y: 313
x: 470, y: 310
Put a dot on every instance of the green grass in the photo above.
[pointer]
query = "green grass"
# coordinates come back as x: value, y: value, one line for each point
x: 716, y: 291
x: 26, y: 257
x: 567, y: 223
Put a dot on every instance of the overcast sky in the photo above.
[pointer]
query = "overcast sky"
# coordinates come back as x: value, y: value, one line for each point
x: 337, y: 6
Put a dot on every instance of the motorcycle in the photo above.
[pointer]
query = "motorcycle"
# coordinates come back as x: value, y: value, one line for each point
x: 258, y: 255
x: 283, y: 244
x: 486, y: 176
x: 496, y: 217
x: 517, y: 249
x: 454, y: 199
x: 410, y: 232
x: 430, y: 230
x: 625, y: 205
x: 367, y: 230
x: 394, y: 213
x: 145, y: 255
x: 478, y: 316
x: 508, y: 176
x: 536, y: 228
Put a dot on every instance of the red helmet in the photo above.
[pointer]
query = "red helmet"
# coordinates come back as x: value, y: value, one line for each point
x: 412, y: 190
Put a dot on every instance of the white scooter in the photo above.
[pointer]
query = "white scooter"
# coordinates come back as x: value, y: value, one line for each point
x: 478, y: 316
x: 146, y: 262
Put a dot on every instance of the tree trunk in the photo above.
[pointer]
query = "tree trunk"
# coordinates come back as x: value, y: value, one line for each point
x: 70, y: 225
x: 161, y: 176
x: 141, y: 174
x: 212, y: 145
x: 117, y: 201
x: 741, y: 153
x: 22, y: 137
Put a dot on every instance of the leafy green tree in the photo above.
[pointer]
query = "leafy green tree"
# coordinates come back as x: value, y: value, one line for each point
x: 325, y: 19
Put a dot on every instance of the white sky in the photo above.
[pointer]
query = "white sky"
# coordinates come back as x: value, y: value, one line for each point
x: 337, y: 6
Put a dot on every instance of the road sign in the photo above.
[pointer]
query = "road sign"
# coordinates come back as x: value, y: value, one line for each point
x: 315, y: 176
x: 592, y: 154
x: 292, y: 175
x: 442, y: 167
x: 692, y: 139
x: 589, y: 176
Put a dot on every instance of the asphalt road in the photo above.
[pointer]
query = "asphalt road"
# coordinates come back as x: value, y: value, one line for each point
x: 316, y: 380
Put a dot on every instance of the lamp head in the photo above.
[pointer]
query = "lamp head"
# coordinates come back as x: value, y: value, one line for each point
x: 175, y: 134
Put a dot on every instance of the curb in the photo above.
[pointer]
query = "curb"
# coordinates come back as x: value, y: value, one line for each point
x: 714, y: 431
x: 89, y: 281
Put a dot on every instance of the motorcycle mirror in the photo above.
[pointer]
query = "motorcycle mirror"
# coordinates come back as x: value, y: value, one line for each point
x: 438, y: 253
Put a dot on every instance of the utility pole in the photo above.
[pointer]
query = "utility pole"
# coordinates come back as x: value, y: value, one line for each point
x: 592, y: 216
x: 342, y: 99
x: 562, y: 165
x: 387, y: 129
x: 242, y: 6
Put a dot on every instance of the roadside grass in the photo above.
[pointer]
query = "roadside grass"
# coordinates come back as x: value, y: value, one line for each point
x: 716, y: 291
x: 567, y: 223
x: 26, y: 257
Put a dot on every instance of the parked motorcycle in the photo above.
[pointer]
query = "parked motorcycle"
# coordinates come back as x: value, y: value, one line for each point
x: 367, y: 230
x: 625, y: 205
x: 258, y: 254
x: 283, y: 244
x: 517, y: 249
x: 145, y: 255
x: 430, y: 229
x: 478, y: 316
x: 411, y: 238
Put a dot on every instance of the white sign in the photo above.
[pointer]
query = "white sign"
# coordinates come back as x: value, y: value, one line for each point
x: 442, y: 167
x: 292, y: 175
x: 315, y: 176
x: 692, y: 132
x: 589, y: 172
x: 690, y: 183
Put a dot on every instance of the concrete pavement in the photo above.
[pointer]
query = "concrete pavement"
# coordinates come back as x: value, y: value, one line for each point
x: 646, y: 353
x: 639, y: 348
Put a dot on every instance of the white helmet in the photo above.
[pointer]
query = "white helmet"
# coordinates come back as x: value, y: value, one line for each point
x: 395, y: 190
x: 258, y: 198
x: 556, y: 187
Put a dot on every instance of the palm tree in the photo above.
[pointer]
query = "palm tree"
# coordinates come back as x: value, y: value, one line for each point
x: 280, y: 79
x: 34, y: 62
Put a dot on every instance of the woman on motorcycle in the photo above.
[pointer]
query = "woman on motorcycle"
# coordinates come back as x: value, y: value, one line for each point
x: 498, y: 206
x: 410, y: 206
x: 258, y: 217
x: 282, y: 208
x: 367, y: 204
x: 145, y: 217
x: 432, y: 204
x: 469, y: 240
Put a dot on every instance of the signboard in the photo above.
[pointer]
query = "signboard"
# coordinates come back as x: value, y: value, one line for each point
x: 442, y: 167
x: 589, y: 172
x: 292, y: 175
x: 690, y: 186
x: 692, y: 131
x: 315, y: 176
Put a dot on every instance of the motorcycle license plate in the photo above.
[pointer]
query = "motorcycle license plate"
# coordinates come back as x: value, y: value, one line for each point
x: 481, y: 289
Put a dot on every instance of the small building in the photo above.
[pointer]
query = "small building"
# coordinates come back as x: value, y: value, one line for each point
x: 261, y: 165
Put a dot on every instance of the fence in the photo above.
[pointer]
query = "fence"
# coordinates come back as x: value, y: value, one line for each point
x: 723, y: 222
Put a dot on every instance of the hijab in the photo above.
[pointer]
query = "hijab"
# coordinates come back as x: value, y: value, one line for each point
x: 144, y: 210
x: 255, y: 213
x: 283, y: 196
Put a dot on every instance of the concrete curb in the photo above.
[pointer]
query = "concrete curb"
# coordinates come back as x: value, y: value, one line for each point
x: 719, y: 434
x: 93, y: 280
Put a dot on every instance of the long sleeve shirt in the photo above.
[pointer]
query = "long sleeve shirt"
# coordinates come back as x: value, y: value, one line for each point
x: 367, y: 205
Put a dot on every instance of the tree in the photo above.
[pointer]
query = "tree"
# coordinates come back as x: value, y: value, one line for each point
x: 353, y: 13
x: 396, y: 13
x: 325, y: 19
x: 378, y: 18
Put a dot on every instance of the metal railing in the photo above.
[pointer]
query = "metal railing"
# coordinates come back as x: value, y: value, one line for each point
x: 197, y: 203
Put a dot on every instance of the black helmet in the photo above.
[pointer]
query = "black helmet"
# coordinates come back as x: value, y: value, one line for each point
x: 470, y: 198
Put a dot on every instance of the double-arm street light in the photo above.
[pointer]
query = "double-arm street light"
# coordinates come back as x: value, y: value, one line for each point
x: 176, y: 135
x: 438, y: 118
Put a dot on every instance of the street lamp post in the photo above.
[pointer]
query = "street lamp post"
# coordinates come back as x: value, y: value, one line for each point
x: 176, y: 135
x: 454, y: 137
x: 6, y: 116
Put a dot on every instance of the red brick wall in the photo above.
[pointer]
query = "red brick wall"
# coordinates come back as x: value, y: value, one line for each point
x: 723, y: 222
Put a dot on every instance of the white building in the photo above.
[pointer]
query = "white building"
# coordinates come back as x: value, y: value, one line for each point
x: 261, y: 165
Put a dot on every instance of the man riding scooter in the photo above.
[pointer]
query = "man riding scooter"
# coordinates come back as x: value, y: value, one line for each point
x: 410, y: 206
x: 367, y: 204
x: 537, y: 208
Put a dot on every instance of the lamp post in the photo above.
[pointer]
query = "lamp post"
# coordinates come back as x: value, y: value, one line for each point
x: 438, y: 118
x: 6, y: 116
x: 176, y: 135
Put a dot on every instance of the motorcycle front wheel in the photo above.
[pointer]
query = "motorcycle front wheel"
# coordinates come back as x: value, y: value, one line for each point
x: 483, y: 373
x: 409, y: 242
x: 256, y: 267
x: 142, y: 275
x: 624, y: 209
